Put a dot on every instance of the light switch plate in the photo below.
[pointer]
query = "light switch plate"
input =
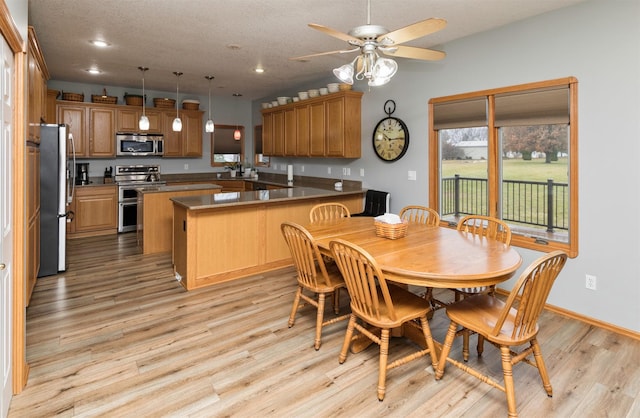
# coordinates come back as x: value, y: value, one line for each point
x: 412, y: 175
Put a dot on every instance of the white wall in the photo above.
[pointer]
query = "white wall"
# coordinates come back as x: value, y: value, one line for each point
x: 599, y: 43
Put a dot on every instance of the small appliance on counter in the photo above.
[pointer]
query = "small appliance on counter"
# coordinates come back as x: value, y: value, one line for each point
x: 82, y: 174
x: 108, y: 175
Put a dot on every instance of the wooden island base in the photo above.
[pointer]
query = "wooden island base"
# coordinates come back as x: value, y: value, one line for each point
x: 220, y: 242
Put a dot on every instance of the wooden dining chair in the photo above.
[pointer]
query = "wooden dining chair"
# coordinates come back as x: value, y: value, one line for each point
x: 378, y: 304
x: 487, y: 227
x: 507, y: 324
x: 313, y: 276
x: 426, y: 216
x: 328, y: 211
x: 420, y: 215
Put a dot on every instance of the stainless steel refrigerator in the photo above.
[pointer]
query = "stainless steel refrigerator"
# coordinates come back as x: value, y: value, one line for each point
x: 57, y: 183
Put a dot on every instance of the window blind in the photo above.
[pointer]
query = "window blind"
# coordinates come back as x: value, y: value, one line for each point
x: 533, y: 107
x: 223, y: 142
x: 460, y: 114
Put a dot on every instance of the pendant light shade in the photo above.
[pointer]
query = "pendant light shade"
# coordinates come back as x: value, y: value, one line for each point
x: 209, y: 126
x: 143, y: 123
x: 177, y: 123
x: 237, y: 135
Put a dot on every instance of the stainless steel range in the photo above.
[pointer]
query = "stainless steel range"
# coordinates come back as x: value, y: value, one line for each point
x: 128, y: 178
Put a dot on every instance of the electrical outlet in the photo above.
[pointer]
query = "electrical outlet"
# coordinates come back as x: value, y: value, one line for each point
x: 590, y: 282
x: 346, y: 171
x: 302, y: 169
x: 362, y: 172
x: 328, y: 170
x: 186, y: 166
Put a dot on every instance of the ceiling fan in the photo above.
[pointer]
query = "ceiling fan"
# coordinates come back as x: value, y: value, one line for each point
x: 371, y: 40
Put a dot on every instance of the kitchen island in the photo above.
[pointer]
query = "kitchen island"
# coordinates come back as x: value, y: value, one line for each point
x: 155, y: 213
x: 228, y: 236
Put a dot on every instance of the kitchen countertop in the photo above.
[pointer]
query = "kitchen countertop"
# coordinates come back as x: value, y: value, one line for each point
x: 220, y: 200
x: 175, y: 188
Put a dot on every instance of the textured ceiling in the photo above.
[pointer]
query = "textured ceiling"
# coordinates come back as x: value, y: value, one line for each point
x: 228, y: 39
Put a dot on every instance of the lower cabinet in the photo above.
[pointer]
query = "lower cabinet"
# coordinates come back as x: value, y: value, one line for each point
x: 96, y: 211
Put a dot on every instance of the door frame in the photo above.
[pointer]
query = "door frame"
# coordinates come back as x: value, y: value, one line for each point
x: 17, y: 44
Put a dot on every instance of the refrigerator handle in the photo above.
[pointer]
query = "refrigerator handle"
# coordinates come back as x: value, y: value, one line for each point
x: 73, y: 169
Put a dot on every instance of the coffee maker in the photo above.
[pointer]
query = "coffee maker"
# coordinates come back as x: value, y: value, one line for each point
x: 82, y: 173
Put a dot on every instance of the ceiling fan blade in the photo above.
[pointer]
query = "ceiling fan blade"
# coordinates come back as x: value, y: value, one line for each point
x: 304, y: 57
x: 412, y: 52
x: 336, y: 34
x: 411, y: 32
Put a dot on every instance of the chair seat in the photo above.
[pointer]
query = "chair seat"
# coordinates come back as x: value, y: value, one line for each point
x: 481, y: 313
x: 407, y: 306
x: 337, y: 281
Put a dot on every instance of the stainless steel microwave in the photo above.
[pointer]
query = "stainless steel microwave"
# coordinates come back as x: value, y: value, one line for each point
x: 139, y: 145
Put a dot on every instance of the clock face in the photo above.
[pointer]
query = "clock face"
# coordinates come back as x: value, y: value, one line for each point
x: 390, y: 139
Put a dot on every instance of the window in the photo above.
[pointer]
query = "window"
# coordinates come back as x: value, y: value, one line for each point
x: 224, y: 148
x: 259, y: 158
x: 510, y: 153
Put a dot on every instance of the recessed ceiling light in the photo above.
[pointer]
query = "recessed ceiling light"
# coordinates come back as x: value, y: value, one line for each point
x: 259, y: 70
x: 94, y: 71
x: 237, y: 94
x: 101, y: 44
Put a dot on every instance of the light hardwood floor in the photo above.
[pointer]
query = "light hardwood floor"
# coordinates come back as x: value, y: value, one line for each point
x: 116, y: 335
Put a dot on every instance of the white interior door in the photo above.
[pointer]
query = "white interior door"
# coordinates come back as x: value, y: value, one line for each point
x: 6, y: 231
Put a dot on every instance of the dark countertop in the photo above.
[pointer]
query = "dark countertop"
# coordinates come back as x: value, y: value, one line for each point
x: 176, y: 188
x: 267, y: 178
x: 220, y: 200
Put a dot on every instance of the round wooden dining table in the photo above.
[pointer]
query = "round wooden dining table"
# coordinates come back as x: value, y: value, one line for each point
x: 429, y: 256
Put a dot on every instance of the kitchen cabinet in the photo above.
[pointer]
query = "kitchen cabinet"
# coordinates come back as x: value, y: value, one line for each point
x: 96, y: 211
x: 37, y: 77
x: 325, y: 126
x: 93, y: 127
x: 188, y: 142
x: 33, y: 218
x: 127, y: 119
x: 102, y: 132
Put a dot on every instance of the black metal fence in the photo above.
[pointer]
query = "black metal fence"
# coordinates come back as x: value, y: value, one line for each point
x: 536, y: 203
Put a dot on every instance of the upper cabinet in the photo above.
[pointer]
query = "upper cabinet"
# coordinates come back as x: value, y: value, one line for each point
x: 127, y: 118
x: 188, y: 142
x: 93, y: 127
x: 37, y: 88
x: 325, y: 126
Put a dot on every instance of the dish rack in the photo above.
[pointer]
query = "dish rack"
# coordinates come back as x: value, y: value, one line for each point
x: 391, y: 231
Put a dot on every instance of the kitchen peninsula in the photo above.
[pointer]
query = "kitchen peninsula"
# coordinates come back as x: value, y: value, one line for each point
x: 226, y: 236
x: 155, y: 213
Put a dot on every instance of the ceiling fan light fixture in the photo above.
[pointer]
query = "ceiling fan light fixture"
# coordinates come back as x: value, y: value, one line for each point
x: 344, y: 73
x: 384, y: 68
x: 378, y: 81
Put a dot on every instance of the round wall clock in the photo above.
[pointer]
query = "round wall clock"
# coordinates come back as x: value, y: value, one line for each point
x: 391, y: 135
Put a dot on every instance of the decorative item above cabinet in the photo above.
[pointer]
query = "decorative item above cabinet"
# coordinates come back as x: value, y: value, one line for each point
x: 324, y: 126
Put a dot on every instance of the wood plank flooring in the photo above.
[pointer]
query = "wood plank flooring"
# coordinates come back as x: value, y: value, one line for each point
x: 117, y: 336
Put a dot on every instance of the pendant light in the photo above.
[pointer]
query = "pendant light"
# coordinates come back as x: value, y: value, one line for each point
x: 177, y: 123
x: 209, y: 126
x: 237, y: 135
x: 143, y: 123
